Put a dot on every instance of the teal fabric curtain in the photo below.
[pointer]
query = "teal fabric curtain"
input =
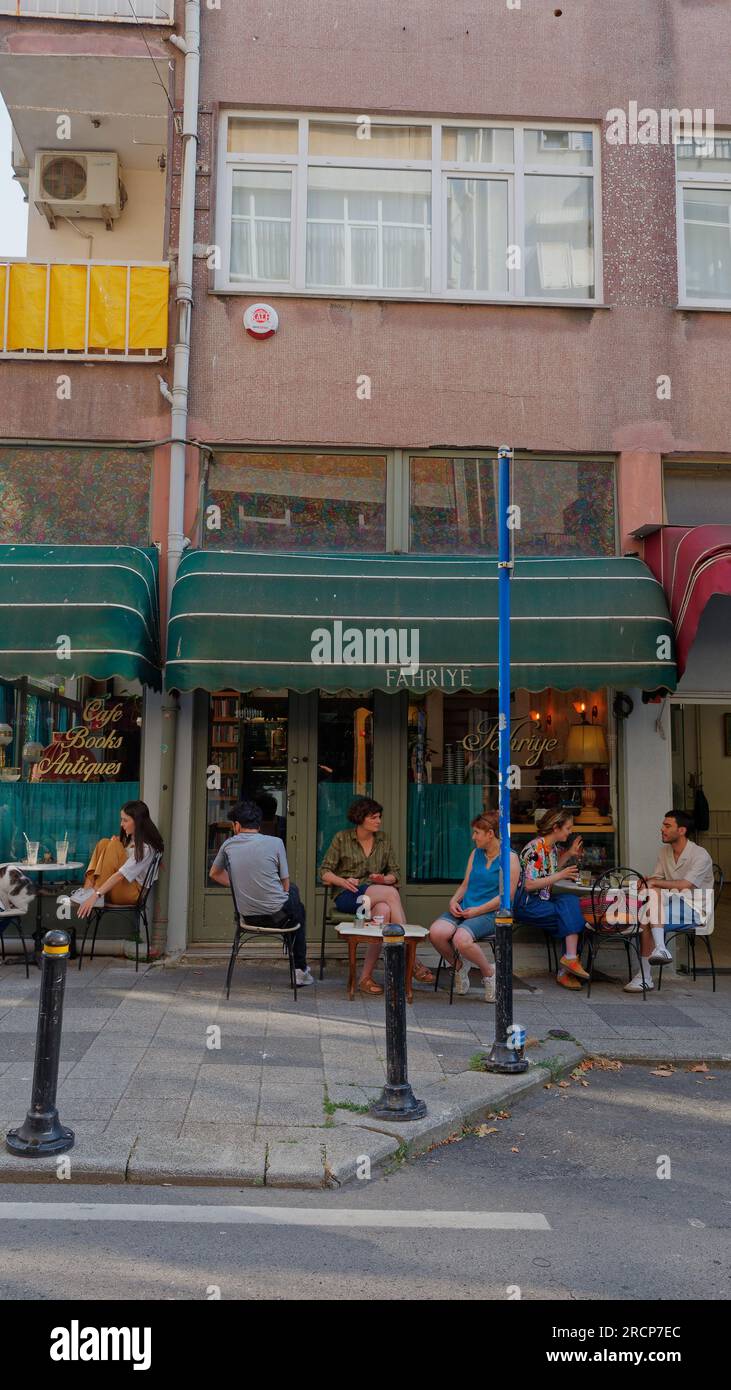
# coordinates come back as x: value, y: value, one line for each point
x: 46, y: 811
x: 439, y: 837
x: 333, y: 800
x: 38, y: 721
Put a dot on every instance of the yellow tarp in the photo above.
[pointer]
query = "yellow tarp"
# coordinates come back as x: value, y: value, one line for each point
x: 148, y: 307
x: 67, y: 313
x: 107, y: 306
x: 27, y: 313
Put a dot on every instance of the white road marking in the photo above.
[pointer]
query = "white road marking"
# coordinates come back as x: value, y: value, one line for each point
x: 344, y: 1217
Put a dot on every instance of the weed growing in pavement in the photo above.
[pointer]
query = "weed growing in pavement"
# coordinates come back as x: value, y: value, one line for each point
x: 477, y: 1061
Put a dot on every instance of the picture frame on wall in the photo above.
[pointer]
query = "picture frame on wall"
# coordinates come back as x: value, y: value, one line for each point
x: 727, y: 735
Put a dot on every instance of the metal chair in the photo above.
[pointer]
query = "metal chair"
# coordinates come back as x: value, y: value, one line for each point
x: 690, y: 934
x: 329, y: 919
x: 452, y: 969
x: 10, y: 917
x: 626, y: 932
x: 138, y: 909
x: 280, y: 924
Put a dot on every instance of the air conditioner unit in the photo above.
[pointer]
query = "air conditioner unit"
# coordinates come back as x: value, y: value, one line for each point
x: 74, y: 183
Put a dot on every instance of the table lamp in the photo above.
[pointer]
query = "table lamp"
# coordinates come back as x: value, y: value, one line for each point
x: 587, y: 746
x: 32, y: 752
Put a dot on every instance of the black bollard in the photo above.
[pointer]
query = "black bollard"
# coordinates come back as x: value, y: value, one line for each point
x: 42, y: 1132
x: 504, y: 1056
x: 397, y: 1100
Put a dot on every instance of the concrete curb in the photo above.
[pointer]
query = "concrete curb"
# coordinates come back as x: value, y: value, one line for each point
x: 347, y: 1147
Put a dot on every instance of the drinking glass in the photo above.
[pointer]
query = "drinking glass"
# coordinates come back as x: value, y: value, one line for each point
x: 33, y: 848
x: 62, y: 851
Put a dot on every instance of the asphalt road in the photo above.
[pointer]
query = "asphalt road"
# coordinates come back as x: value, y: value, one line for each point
x: 578, y: 1166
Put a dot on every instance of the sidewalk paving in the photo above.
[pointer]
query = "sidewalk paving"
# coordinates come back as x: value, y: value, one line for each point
x: 156, y: 1093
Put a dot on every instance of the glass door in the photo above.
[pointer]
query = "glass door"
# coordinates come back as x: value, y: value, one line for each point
x: 247, y: 760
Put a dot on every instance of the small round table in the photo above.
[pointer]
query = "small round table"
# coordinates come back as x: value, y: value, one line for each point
x: 369, y: 932
x: 45, y: 869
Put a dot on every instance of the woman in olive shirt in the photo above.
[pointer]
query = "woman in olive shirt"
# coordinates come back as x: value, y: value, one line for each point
x: 361, y: 861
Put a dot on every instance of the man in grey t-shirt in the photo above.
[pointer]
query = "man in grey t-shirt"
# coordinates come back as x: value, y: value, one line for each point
x: 258, y: 865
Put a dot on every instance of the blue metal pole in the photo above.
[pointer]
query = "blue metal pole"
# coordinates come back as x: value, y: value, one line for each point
x: 503, y: 1055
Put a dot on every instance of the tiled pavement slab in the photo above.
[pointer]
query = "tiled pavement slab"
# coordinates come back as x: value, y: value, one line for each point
x: 163, y: 1080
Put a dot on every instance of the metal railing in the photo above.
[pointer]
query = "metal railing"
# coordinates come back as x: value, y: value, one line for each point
x: 117, y: 11
x: 101, y: 311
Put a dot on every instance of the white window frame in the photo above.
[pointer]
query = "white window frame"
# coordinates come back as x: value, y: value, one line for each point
x: 698, y: 180
x: 515, y: 172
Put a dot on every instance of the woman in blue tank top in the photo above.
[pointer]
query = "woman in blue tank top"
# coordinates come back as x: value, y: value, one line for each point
x: 472, y: 908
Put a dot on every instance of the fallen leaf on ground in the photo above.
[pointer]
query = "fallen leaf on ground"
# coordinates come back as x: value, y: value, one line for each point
x: 583, y: 1082
x: 515, y: 1151
x: 482, y: 1130
x: 602, y: 1064
x: 500, y: 1115
x: 699, y: 1066
x: 663, y: 1071
x: 548, y: 1085
x: 532, y: 1042
x: 564, y: 1084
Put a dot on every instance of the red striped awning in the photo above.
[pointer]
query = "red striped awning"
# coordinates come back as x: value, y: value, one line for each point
x: 692, y: 563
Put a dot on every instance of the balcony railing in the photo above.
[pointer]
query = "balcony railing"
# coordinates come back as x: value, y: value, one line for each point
x: 117, y: 11
x: 98, y: 311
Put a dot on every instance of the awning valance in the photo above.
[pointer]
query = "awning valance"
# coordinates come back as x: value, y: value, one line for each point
x: 391, y: 622
x: 692, y: 563
x: 73, y: 610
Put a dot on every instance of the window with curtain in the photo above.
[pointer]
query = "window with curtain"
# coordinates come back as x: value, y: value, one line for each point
x: 704, y: 179
x: 558, y: 741
x: 69, y: 760
x: 431, y: 208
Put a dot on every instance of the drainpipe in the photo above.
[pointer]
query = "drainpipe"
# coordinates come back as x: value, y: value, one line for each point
x: 177, y: 541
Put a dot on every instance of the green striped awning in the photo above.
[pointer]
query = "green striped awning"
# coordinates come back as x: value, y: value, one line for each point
x: 393, y: 622
x: 98, y: 603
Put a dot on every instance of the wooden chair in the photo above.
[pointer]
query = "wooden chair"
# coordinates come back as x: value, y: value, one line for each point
x: 138, y: 909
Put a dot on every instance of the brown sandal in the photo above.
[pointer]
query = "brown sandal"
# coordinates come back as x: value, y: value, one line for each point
x: 423, y: 974
x: 369, y: 987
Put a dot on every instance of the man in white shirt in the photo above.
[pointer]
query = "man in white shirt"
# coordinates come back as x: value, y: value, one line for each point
x: 680, y: 895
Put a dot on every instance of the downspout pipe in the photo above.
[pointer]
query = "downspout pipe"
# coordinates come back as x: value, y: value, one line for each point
x: 176, y: 540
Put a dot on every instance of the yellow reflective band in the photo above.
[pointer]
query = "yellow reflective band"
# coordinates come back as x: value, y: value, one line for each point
x: 55, y: 950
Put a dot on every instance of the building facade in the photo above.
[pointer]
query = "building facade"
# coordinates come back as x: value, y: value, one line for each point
x: 475, y: 229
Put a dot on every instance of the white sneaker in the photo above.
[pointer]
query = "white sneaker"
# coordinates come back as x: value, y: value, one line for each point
x: 462, y: 980
x: 489, y: 983
x: 635, y: 984
x: 660, y: 956
x: 304, y: 977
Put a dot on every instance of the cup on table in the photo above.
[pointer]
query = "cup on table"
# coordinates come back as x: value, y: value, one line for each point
x: 585, y: 878
x: 33, y: 848
x: 62, y: 851
x: 377, y: 920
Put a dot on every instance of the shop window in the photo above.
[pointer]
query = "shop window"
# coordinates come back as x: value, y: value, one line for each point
x: 566, y: 506
x: 74, y: 496
x: 697, y: 494
x: 69, y: 760
x: 560, y: 744
x: 344, y: 761
x: 296, y: 501
x: 247, y: 759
